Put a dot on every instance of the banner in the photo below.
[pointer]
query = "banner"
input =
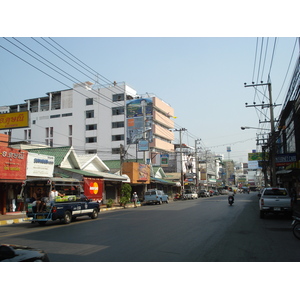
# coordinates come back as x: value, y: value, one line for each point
x: 14, y: 120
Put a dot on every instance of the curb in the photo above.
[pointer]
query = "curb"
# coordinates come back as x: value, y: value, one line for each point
x: 21, y: 220
x: 14, y: 221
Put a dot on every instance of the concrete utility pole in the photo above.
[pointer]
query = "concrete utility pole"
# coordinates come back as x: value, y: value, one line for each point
x: 273, y: 141
x: 197, y: 166
x: 181, y: 161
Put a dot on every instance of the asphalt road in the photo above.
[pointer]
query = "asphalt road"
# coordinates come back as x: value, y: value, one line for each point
x: 201, y: 230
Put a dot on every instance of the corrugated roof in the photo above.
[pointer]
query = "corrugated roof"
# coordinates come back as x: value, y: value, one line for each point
x: 58, y: 152
x: 107, y: 176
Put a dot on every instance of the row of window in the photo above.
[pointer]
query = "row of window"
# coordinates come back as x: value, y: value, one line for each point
x: 116, y: 111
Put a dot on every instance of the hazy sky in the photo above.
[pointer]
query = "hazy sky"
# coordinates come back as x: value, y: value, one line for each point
x: 196, y: 70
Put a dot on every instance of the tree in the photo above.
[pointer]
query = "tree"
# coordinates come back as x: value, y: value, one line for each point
x: 125, y: 194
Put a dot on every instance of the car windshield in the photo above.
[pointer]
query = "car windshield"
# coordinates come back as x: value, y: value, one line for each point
x: 150, y: 193
x: 275, y: 192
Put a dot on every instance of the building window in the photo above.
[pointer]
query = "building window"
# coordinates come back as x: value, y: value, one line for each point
x: 27, y: 134
x: 117, y: 124
x: 118, y: 97
x: 47, y: 132
x: 55, y: 103
x: 67, y: 115
x: 70, y: 129
x: 89, y: 114
x: 89, y: 101
x: 91, y: 139
x: 51, y: 143
x: 91, y: 151
x: 70, y: 141
x: 115, y: 151
x: 51, y: 131
x: 91, y: 127
x: 118, y: 110
x: 118, y: 137
x: 54, y: 116
x: 44, y: 104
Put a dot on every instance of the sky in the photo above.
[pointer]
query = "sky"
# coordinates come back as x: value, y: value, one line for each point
x: 195, y: 63
x: 202, y: 78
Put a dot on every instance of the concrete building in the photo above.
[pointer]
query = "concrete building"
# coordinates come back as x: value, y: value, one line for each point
x: 112, y: 121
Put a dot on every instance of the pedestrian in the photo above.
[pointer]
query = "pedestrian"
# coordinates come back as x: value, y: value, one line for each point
x: 134, y: 199
x: 53, y: 194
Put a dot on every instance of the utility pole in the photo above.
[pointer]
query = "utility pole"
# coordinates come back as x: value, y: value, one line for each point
x: 181, y: 161
x: 272, y: 136
x: 197, y: 166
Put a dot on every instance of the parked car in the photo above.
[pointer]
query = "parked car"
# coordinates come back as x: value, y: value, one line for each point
x: 155, y: 196
x: 215, y: 192
x: 204, y: 193
x: 17, y: 253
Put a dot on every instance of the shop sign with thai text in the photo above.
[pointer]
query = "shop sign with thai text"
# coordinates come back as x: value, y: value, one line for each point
x: 14, y: 120
x: 13, y: 163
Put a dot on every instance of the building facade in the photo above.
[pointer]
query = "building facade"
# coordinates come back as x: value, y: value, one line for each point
x: 111, y: 121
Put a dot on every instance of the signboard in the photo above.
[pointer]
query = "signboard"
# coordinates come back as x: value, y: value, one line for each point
x: 253, y: 164
x: 13, y: 163
x: 93, y: 188
x: 143, y: 145
x: 135, y: 119
x: 257, y: 156
x: 40, y: 165
x: 164, y: 160
x: 285, y: 159
x: 14, y: 120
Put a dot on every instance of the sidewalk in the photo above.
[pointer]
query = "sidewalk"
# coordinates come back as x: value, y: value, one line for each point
x: 19, y: 217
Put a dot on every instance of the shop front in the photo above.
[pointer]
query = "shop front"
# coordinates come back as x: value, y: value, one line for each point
x: 13, y: 164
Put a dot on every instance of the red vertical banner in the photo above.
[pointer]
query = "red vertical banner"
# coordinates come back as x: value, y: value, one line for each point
x: 13, y: 163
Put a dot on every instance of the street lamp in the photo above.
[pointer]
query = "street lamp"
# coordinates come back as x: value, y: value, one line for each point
x: 247, y: 127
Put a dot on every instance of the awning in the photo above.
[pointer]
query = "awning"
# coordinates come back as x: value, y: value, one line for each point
x: 104, y: 175
x: 159, y: 180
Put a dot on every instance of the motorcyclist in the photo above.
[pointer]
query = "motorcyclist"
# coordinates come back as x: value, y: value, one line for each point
x: 230, y: 194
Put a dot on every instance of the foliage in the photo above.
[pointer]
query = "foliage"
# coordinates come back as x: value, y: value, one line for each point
x: 109, y: 202
x: 125, y: 194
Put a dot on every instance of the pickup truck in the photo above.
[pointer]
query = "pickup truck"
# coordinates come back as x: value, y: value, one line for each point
x: 65, y: 211
x: 274, y: 200
x: 71, y: 204
x: 155, y: 196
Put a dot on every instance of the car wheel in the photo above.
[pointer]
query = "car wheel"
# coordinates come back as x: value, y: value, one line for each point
x: 67, y: 218
x: 94, y: 214
x: 296, y: 230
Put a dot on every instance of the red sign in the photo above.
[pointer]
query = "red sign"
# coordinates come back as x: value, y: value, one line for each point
x: 13, y: 163
x: 93, y: 188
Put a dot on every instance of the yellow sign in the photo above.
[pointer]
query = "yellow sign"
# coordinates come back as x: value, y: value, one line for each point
x: 14, y: 120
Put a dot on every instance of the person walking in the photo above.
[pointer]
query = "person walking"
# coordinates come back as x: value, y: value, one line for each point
x: 134, y: 199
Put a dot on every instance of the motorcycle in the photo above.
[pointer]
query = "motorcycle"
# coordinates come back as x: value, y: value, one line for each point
x: 230, y: 200
x: 296, y: 227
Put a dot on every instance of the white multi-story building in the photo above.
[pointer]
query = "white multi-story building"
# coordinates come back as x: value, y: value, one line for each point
x: 98, y: 119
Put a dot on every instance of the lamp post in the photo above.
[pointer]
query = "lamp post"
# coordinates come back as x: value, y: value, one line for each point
x: 247, y: 127
x: 263, y: 152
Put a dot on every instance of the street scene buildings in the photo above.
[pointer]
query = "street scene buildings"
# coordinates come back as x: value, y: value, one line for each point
x: 113, y: 135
